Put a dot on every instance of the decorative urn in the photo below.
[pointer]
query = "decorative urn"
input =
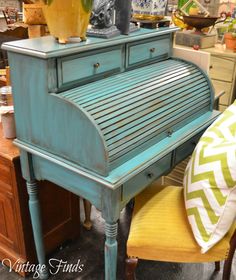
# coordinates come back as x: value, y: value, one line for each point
x: 67, y: 18
x: 148, y: 9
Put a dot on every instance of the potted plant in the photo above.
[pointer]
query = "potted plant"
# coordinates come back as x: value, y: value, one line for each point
x: 67, y: 18
x: 230, y: 35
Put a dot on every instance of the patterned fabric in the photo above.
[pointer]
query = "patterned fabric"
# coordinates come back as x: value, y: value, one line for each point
x: 210, y: 181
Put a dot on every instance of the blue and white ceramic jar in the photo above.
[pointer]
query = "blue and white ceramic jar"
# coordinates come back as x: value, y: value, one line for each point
x: 148, y: 9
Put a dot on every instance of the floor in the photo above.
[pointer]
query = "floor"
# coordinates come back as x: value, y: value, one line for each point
x: 86, y: 254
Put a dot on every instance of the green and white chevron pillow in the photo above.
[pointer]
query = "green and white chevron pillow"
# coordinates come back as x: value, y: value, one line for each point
x: 210, y: 181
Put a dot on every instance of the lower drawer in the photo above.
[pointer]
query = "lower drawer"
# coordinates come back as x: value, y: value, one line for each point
x: 136, y: 184
x: 187, y: 148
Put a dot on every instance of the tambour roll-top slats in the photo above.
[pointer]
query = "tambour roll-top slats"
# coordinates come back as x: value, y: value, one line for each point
x: 136, y: 108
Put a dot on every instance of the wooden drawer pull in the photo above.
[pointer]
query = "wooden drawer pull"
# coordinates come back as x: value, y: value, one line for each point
x: 152, y: 50
x: 96, y: 65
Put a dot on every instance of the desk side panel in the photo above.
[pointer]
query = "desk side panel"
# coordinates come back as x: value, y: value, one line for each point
x: 46, y: 121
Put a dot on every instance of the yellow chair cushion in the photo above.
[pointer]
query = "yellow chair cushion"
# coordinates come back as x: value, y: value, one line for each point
x: 160, y: 229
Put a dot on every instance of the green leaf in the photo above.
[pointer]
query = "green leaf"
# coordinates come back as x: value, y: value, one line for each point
x: 87, y: 5
x: 49, y: 2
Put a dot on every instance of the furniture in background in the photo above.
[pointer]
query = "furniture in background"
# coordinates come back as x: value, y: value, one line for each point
x: 160, y: 231
x: 16, y: 31
x: 10, y: 34
x: 10, y: 14
x: 223, y: 73
x: 87, y: 214
x: 60, y: 211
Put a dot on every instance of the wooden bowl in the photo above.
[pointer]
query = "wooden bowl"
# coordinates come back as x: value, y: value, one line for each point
x: 199, y: 21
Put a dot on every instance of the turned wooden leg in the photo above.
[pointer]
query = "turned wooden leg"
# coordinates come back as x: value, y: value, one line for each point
x: 35, y: 214
x: 87, y: 212
x: 228, y: 261
x: 217, y: 266
x: 130, y: 267
x: 110, y: 250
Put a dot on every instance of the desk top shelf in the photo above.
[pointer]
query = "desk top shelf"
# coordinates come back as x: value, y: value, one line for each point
x: 47, y: 47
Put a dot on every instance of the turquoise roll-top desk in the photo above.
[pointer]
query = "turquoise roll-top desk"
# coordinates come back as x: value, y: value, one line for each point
x: 104, y: 118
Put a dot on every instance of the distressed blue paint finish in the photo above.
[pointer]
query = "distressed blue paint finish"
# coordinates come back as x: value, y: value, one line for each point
x: 85, y: 67
x: 35, y: 214
x: 48, y: 48
x: 120, y: 116
x: 104, y: 133
x: 149, y: 50
x: 110, y: 250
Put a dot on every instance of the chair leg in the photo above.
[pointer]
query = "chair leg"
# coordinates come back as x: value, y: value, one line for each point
x: 217, y: 266
x: 228, y: 261
x: 87, y: 211
x: 131, y: 264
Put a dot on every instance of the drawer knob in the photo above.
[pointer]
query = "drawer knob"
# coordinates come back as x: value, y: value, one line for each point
x: 170, y: 132
x: 96, y: 65
x: 152, y: 50
x: 150, y: 175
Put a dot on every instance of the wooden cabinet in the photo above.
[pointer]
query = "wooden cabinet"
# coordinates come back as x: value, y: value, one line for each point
x: 59, y: 223
x: 222, y: 69
x: 223, y: 74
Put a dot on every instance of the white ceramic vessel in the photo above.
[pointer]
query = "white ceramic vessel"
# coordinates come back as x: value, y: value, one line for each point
x: 148, y: 9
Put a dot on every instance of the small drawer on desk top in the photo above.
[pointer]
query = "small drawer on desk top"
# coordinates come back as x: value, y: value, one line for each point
x: 148, y: 50
x: 89, y: 66
x: 139, y: 182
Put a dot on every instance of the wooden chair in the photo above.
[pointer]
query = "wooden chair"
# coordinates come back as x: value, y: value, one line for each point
x: 160, y: 231
x: 10, y: 14
x: 87, y: 214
